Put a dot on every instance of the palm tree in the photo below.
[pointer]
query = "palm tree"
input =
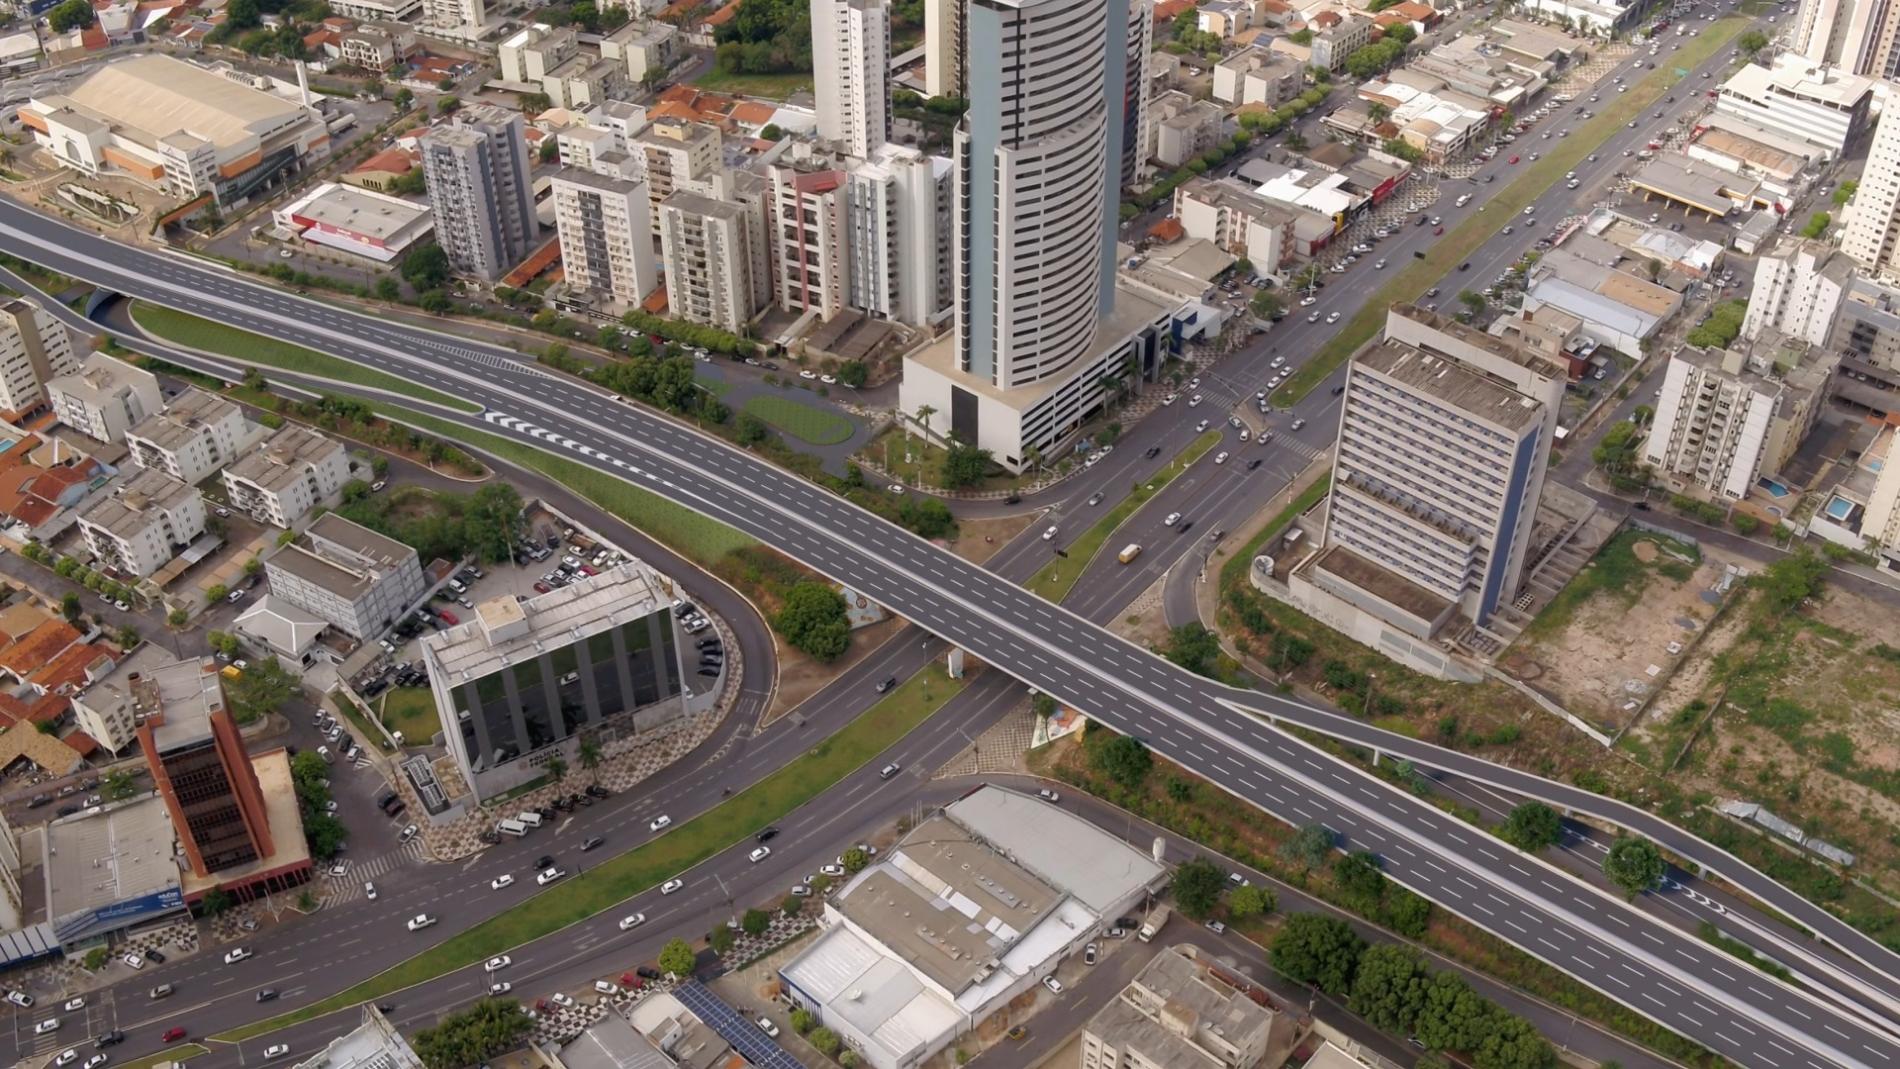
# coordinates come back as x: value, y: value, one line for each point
x: 589, y: 753
x: 924, y: 412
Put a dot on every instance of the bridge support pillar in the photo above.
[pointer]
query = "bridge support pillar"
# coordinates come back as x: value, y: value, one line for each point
x: 953, y: 664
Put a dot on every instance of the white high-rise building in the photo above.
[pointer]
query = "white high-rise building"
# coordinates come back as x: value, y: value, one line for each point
x: 851, y: 63
x: 1798, y: 292
x: 1138, y: 92
x: 1856, y: 35
x: 1036, y: 201
x: 1873, y: 218
x: 451, y: 14
x: 710, y: 261
x: 605, y: 222
x: 943, y: 47
x: 898, y: 212
x: 1725, y: 418
x: 34, y: 348
x: 478, y: 178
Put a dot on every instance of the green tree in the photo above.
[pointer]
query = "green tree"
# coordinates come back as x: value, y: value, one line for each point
x: 404, y: 98
x: 324, y: 834
x: 557, y: 769
x: 1266, y: 305
x: 1532, y: 827
x: 1752, y: 42
x: 426, y: 267
x: 1634, y: 864
x: 964, y: 466
x: 1388, y: 987
x: 1249, y: 901
x: 1360, y: 877
x: 1789, y: 581
x: 177, y: 618
x: 493, y: 522
x: 447, y: 104
x: 1122, y: 758
x: 721, y: 940
x: 1197, y: 887
x: 1316, y: 949
x: 792, y: 906
x: 1195, y: 648
x: 1845, y: 192
x: 70, y: 607
x: 117, y: 785
x: 755, y: 921
x: 677, y: 958
x: 802, y: 1020
x: 813, y: 619
x: 474, y: 1035
x: 1310, y: 846
x: 853, y: 373
x: 770, y: 132
x: 129, y: 637
x: 749, y: 429
x: 259, y: 689
x: 1471, y: 300
x: 223, y: 642
x: 1511, y: 1042
x: 216, y: 901
x: 1404, y: 912
x: 71, y: 15
x: 825, y: 1040
x: 855, y: 860
x: 589, y: 752
x: 242, y: 15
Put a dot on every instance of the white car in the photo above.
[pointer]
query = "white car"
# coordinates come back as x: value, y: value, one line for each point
x: 1220, y: 457
x: 1308, y: 302
x: 96, y: 1061
x: 1172, y: 519
x: 1049, y: 796
x: 276, y: 1050
x: 1195, y: 401
x: 235, y: 955
x: 420, y: 921
x: 1170, y: 399
x: 74, y: 1005
x: 67, y: 1056
x: 632, y: 920
x: 659, y: 822
x: 369, y: 890
x: 500, y: 882
x: 548, y: 876
x: 608, y: 988
x: 831, y: 870
x: 500, y: 987
x: 497, y: 963
x: 1054, y: 985
x: 1050, y: 534
x: 560, y: 998
x: 1332, y: 317
x: 51, y: 1024
x: 766, y: 1026
x: 670, y: 886
x: 134, y: 960
x: 760, y: 854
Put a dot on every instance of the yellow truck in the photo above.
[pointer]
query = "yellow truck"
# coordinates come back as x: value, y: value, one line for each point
x: 1129, y: 552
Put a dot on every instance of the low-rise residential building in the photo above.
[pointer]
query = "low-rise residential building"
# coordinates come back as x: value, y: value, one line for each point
x: 1184, y: 1012
x: 34, y: 348
x: 377, y: 45
x: 1237, y: 220
x: 1184, y: 127
x: 192, y: 437
x: 1726, y: 418
x: 1869, y: 327
x: 1224, y: 18
x: 1257, y: 75
x: 1030, y: 883
x: 104, y: 398
x: 533, y: 52
x: 109, y: 710
x: 1337, y: 36
x: 1798, y: 292
x: 288, y: 474
x: 642, y: 48
x: 140, y: 527
x: 377, y: 10
x: 360, y: 581
x: 1798, y: 98
x: 382, y: 171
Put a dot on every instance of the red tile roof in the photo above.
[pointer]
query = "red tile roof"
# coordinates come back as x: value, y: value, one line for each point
x: 389, y: 160
x: 38, y: 648
x: 753, y: 113
x: 1166, y: 10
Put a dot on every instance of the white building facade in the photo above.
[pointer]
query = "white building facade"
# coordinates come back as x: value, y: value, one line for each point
x: 140, y: 527
x: 34, y: 348
x: 1798, y: 292
x: 851, y: 68
x: 606, y: 230
x: 899, y: 211
x: 192, y: 437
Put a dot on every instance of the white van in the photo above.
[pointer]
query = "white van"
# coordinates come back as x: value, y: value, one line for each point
x: 529, y: 817
x: 1463, y: 199
x: 511, y: 827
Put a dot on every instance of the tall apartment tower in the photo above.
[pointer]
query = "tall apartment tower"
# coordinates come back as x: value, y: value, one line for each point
x: 1857, y: 36
x: 710, y: 261
x: 1036, y: 156
x: 605, y: 220
x: 1137, y: 90
x: 1444, y: 437
x: 943, y: 47
x: 1798, y: 292
x: 901, y: 237
x: 809, y: 253
x: 851, y: 56
x: 34, y: 348
x: 477, y: 173
x: 200, y: 768
x: 1873, y: 219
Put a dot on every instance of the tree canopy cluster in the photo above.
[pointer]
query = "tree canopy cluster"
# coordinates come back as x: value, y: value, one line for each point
x: 474, y: 1035
x: 765, y: 37
x: 486, y: 524
x: 1721, y: 327
x: 814, y: 620
x: 1391, y: 986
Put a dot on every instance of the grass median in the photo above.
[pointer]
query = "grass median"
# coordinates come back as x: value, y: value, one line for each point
x: 805, y: 422
x: 248, y: 347
x: 170, y: 1054
x: 1458, y: 245
x: 607, y: 885
x: 1059, y: 576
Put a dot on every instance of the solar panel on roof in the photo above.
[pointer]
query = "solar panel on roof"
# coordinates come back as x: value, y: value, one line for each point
x: 753, y: 1045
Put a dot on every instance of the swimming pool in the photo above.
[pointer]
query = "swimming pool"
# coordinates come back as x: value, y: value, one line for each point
x: 1839, y: 508
x: 1774, y: 488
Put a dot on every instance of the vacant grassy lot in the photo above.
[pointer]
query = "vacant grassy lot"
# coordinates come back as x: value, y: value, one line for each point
x: 246, y: 347
x: 1059, y: 576
x: 606, y: 885
x: 771, y: 86
x: 1466, y: 238
x: 1619, y: 570
x: 410, y: 710
x: 807, y: 423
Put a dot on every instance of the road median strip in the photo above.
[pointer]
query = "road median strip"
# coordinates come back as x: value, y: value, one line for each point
x: 1468, y: 237
x: 606, y: 886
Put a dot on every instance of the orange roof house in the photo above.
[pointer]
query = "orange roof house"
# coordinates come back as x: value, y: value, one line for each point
x: 753, y: 113
x: 38, y: 648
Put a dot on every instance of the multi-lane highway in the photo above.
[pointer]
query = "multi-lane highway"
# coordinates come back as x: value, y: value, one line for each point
x: 1680, y: 982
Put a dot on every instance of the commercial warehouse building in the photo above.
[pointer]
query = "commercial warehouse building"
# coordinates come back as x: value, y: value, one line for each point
x: 975, y: 906
x: 362, y: 222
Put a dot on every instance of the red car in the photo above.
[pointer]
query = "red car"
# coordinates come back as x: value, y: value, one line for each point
x: 541, y: 587
x: 448, y: 617
x: 1438, y: 232
x: 173, y: 1035
x: 588, y: 569
x: 1513, y: 159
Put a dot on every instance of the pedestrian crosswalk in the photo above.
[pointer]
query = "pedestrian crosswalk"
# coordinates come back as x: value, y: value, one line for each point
x: 348, y: 887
